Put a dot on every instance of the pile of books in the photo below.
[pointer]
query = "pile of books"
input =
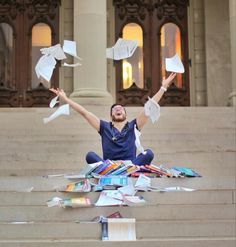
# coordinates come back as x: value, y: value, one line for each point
x: 126, y: 168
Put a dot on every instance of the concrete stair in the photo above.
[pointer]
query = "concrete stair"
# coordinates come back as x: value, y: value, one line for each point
x: 200, y: 138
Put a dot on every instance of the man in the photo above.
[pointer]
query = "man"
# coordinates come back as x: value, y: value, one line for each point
x: 118, y: 138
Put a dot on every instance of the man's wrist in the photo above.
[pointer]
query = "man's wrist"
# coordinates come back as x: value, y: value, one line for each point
x: 163, y: 88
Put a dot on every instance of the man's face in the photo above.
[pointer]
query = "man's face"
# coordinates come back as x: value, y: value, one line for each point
x: 118, y: 113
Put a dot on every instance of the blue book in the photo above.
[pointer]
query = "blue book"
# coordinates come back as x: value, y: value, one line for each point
x: 100, y: 168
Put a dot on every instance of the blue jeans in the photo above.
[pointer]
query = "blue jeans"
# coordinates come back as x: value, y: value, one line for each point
x: 141, y: 159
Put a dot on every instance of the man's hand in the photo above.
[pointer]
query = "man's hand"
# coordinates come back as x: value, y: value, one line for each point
x: 166, y: 82
x: 60, y: 93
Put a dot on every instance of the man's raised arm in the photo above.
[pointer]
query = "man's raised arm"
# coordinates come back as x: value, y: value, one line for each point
x: 89, y: 116
x: 142, y: 118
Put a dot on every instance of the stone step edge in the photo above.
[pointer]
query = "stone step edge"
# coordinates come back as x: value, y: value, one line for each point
x: 170, y: 239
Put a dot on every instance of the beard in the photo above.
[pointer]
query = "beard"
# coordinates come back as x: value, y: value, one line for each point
x: 121, y: 118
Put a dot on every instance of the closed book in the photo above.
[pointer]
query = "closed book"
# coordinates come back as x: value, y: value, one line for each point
x: 100, y: 168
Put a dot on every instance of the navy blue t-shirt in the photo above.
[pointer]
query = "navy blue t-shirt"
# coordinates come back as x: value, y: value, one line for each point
x: 118, y: 145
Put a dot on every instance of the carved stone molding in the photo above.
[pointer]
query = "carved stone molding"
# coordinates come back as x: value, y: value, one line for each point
x: 133, y: 96
x: 170, y: 8
x: 41, y: 8
x: 38, y: 8
x: 132, y: 9
x: 8, y: 7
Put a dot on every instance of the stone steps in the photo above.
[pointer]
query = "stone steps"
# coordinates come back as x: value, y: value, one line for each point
x: 200, y: 138
x: 42, y: 214
x: 162, y: 242
x: 144, y: 229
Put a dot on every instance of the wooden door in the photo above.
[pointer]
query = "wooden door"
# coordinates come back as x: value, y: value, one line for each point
x: 22, y: 23
x: 164, y: 27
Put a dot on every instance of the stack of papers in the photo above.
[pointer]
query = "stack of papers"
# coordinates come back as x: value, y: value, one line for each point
x: 122, y: 49
x: 152, y: 110
x: 174, y: 64
x: 137, y: 140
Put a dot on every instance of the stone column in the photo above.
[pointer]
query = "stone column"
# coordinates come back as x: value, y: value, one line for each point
x: 232, y: 19
x: 199, y: 53
x: 90, y: 33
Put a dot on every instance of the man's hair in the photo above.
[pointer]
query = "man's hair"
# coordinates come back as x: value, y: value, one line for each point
x: 114, y: 106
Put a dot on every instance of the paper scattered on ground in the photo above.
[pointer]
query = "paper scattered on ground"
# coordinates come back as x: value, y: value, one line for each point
x: 122, y: 49
x: 174, y: 64
x: 28, y: 189
x: 132, y: 201
x: 109, y: 198
x: 62, y: 110
x: 152, y: 110
x: 137, y: 140
x: 143, y: 182
x: 177, y: 188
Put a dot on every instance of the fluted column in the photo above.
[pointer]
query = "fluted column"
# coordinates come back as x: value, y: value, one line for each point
x: 90, y: 33
x: 232, y: 18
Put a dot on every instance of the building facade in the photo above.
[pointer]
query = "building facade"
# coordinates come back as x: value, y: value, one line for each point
x: 201, y: 32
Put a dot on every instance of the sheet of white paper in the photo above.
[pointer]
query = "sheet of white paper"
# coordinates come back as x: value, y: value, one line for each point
x: 109, y: 198
x: 55, y: 201
x: 45, y: 66
x: 134, y: 201
x: 72, y: 65
x: 174, y: 64
x: 152, y: 110
x: 127, y: 190
x: 137, y: 140
x: 143, y: 181
x: 173, y: 189
x: 122, y: 49
x: 69, y: 47
x: 62, y: 110
x: 55, y: 51
x: 54, y: 101
x: 109, y: 53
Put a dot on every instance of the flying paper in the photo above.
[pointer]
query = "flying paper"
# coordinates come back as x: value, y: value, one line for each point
x: 53, y: 102
x: 137, y: 140
x: 174, y: 64
x: 152, y: 110
x: 45, y: 66
x: 69, y: 47
x: 55, y: 51
x: 62, y: 110
x: 72, y: 65
x: 122, y: 49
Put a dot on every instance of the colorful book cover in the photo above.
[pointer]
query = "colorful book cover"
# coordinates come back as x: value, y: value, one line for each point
x: 113, y: 181
x: 187, y: 171
x: 81, y: 186
x: 76, y: 202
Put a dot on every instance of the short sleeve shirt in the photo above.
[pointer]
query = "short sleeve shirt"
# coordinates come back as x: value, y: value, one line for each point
x: 118, y: 145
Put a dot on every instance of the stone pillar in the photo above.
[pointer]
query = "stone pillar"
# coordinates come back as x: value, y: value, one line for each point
x: 199, y: 53
x: 232, y: 19
x: 90, y: 33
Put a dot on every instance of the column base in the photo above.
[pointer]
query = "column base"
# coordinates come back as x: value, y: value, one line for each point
x: 92, y: 97
x: 232, y: 98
